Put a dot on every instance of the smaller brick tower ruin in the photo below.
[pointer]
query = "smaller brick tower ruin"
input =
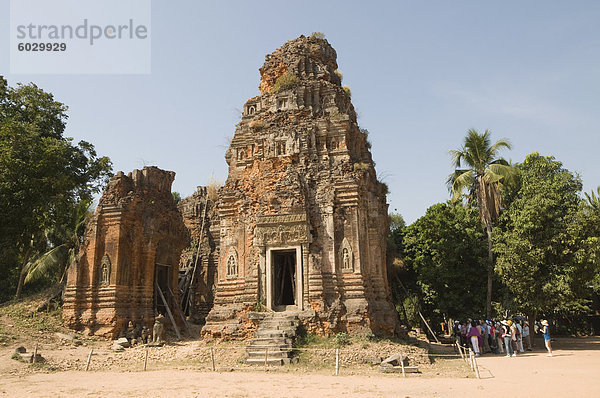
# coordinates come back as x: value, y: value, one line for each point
x: 131, y: 245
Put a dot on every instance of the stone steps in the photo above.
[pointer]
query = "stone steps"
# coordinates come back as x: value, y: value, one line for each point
x: 272, y: 343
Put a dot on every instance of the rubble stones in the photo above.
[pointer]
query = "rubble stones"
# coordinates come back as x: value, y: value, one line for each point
x: 123, y: 342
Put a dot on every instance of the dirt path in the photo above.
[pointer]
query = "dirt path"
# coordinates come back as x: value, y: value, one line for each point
x: 573, y: 371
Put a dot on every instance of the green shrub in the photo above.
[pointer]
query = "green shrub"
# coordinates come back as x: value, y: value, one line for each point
x: 257, y: 125
x: 342, y: 339
x: 317, y: 35
x: 347, y: 90
x: 285, y: 82
x: 361, y: 166
x: 17, y: 357
x: 386, y: 188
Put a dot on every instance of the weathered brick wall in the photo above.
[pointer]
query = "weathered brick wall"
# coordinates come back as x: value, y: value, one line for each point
x: 200, y: 216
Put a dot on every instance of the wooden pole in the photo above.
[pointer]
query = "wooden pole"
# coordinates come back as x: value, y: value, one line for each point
x: 471, y: 358
x: 168, y: 311
x: 189, y: 287
x: 212, y: 358
x: 146, y: 359
x: 475, y: 366
x: 460, y: 350
x: 180, y: 312
x: 266, y: 355
x: 34, y: 354
x: 402, y: 365
x: 428, y: 327
x: 337, y: 361
x: 87, y: 365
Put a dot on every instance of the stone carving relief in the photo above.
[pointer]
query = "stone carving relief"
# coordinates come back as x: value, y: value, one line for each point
x: 105, y: 270
x: 232, y: 263
x: 346, y: 257
x: 282, y: 229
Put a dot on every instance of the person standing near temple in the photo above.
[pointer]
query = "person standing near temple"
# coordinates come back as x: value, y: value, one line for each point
x: 526, y: 336
x: 546, y: 332
x: 507, y: 336
x: 499, y: 336
x: 475, y: 337
x: 519, y: 336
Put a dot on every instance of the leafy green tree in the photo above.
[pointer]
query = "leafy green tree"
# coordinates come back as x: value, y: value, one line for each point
x: 585, y: 235
x: 396, y: 221
x: 445, y: 249
x: 536, y: 238
x: 482, y: 178
x: 43, y: 175
x: 176, y: 197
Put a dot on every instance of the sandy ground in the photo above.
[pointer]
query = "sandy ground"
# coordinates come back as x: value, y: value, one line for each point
x: 574, y: 370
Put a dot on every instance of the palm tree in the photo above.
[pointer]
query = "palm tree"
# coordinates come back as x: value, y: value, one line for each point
x: 70, y: 236
x: 482, y: 179
x: 593, y: 200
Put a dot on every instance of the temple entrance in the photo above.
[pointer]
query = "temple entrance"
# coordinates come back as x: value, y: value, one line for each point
x: 162, y: 278
x: 284, y: 278
x: 161, y: 272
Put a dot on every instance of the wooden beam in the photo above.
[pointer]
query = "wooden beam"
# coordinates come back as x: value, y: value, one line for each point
x: 168, y: 311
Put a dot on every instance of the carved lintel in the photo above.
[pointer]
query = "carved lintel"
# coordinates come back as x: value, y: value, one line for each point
x: 281, y: 229
x: 276, y: 219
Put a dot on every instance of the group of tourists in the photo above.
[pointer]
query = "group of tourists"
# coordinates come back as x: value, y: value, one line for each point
x: 499, y: 337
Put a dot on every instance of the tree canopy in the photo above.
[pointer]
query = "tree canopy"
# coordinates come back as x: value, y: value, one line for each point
x: 446, y: 249
x: 42, y: 173
x: 534, y: 243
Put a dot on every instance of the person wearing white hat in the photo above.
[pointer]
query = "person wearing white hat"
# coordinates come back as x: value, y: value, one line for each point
x: 546, y: 332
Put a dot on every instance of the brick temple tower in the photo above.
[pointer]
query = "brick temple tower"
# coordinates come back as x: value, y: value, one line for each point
x: 303, y: 218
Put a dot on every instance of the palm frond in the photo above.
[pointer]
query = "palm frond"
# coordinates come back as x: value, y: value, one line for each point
x: 51, y: 261
x: 502, y: 143
x: 593, y: 200
x: 459, y: 181
x: 496, y: 172
x: 457, y: 156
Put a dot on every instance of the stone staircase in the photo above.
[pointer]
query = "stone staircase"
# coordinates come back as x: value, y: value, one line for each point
x: 273, y: 339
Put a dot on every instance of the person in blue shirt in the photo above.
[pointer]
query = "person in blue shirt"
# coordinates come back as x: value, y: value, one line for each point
x: 546, y: 331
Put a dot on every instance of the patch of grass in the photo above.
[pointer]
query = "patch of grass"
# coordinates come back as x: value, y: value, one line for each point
x: 212, y: 188
x: 317, y: 35
x: 348, y: 91
x: 4, y: 337
x: 285, y: 82
x: 23, y: 315
x: 17, y: 357
x: 361, y: 166
x: 257, y: 125
x: 43, y: 367
x: 339, y: 74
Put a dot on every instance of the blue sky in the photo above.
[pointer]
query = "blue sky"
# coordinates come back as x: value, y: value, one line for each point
x: 421, y: 73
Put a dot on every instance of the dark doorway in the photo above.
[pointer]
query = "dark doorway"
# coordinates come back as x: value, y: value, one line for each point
x: 162, y: 277
x: 284, y: 277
